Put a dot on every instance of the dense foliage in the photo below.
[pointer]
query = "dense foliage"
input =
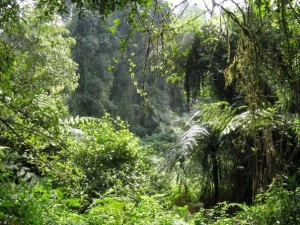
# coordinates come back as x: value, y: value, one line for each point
x: 203, y: 124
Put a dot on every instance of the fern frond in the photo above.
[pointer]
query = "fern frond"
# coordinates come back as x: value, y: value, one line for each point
x: 217, y: 114
x: 249, y: 119
x: 189, y: 140
x: 237, y: 122
x: 185, y: 145
x: 77, y: 120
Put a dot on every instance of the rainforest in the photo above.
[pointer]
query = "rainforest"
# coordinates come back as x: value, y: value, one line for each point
x: 159, y: 112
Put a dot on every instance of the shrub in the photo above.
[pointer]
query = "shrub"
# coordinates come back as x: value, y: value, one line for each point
x: 109, y: 156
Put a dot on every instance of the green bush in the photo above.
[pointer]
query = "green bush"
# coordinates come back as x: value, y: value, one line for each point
x: 143, y: 210
x: 109, y: 156
x: 279, y: 205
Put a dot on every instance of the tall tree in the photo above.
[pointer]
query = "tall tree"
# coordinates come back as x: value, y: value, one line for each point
x: 94, y: 51
x: 37, y: 72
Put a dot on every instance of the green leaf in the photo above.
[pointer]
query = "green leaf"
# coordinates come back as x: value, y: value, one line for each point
x: 7, y: 204
x: 73, y: 202
x: 117, y: 21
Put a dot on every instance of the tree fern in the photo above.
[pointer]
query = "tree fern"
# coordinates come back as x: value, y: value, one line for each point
x: 210, y: 121
x: 185, y: 145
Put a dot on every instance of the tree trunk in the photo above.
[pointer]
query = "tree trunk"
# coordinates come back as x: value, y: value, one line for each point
x: 215, y: 173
